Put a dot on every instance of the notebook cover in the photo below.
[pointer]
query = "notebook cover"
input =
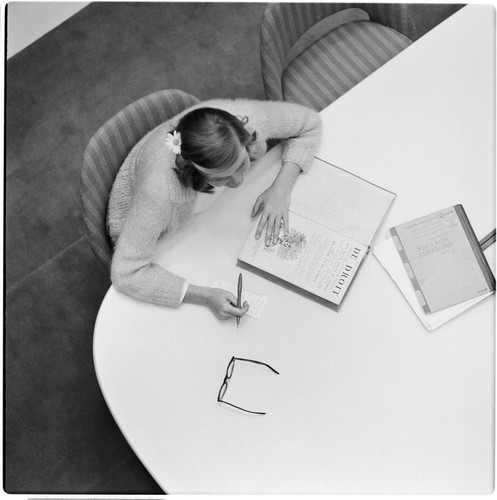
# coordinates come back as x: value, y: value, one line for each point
x: 443, y: 259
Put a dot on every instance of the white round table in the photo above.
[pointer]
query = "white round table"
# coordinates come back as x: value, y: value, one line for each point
x: 367, y: 400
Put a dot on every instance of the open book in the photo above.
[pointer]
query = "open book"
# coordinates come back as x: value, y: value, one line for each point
x: 334, y: 216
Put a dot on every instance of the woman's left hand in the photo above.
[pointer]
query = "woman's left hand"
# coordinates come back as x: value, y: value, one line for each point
x: 273, y: 205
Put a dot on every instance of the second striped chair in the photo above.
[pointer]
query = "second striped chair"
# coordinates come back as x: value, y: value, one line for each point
x: 312, y: 53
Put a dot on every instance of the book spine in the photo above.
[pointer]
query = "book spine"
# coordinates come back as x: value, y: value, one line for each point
x: 409, y: 271
x: 475, y: 245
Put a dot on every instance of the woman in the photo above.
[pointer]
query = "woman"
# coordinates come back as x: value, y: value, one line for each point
x: 208, y: 145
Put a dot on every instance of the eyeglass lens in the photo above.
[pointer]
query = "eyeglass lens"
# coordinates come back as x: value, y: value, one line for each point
x: 222, y: 391
x: 231, y: 366
x: 229, y: 373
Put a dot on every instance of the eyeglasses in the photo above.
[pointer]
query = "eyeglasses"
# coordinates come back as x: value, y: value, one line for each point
x: 229, y: 373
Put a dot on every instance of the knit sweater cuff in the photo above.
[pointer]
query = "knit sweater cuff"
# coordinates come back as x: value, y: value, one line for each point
x: 186, y: 284
x: 302, y: 169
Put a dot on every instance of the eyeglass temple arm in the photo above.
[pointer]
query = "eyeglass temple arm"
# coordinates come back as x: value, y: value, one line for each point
x: 242, y: 409
x: 258, y: 363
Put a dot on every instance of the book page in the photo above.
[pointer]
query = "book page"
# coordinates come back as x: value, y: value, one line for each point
x: 341, y: 201
x: 440, y: 260
x: 311, y: 257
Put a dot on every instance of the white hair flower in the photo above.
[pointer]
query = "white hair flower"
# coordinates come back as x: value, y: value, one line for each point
x: 173, y: 142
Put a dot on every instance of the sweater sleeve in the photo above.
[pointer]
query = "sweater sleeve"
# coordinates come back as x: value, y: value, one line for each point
x: 298, y: 126
x: 132, y: 270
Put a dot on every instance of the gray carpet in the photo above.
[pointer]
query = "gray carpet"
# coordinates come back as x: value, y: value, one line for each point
x: 59, y: 434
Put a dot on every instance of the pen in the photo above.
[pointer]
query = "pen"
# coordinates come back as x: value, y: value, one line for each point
x: 487, y: 240
x: 239, y: 298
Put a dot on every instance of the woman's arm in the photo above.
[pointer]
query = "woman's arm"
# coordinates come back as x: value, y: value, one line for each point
x: 300, y: 128
x: 274, y: 202
x: 132, y: 270
x: 297, y: 126
x: 134, y: 273
x: 150, y: 214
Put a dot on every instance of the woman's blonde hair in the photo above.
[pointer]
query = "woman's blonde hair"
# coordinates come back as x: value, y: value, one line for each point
x: 210, y: 138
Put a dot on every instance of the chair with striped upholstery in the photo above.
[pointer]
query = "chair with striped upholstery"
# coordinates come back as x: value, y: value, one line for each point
x: 312, y: 53
x: 107, y: 151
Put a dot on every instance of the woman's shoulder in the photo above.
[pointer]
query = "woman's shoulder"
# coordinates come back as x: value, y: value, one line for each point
x: 156, y: 175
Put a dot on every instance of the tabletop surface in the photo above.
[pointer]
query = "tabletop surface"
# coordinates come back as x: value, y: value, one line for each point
x: 366, y: 400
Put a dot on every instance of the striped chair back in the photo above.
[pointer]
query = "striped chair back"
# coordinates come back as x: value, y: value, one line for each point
x: 284, y: 23
x: 108, y: 149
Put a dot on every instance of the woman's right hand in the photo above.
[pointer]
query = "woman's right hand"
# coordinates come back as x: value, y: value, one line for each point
x: 221, y: 302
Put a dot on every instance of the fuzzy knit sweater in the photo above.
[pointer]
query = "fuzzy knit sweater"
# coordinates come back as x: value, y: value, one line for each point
x: 147, y: 200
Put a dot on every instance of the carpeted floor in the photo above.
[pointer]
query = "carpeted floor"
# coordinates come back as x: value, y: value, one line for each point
x: 59, y: 435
